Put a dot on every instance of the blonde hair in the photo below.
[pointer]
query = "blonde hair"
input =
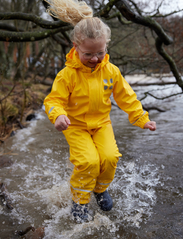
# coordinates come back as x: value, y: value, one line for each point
x: 80, y: 15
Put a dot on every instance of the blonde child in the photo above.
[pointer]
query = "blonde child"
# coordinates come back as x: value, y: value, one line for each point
x: 79, y: 106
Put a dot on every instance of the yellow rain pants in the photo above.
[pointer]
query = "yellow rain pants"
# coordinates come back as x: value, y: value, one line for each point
x: 94, y: 154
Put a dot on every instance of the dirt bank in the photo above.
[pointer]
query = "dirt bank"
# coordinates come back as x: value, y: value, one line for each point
x: 18, y: 103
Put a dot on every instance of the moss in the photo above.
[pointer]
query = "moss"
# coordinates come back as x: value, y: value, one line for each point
x: 8, y: 111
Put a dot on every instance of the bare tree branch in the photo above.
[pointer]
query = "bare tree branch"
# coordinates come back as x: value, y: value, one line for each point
x: 136, y: 7
x: 60, y: 41
x: 165, y: 15
x: 9, y: 27
x: 170, y: 61
x: 127, y: 12
x: 33, y: 18
x: 120, y: 18
x: 30, y: 36
x: 106, y: 9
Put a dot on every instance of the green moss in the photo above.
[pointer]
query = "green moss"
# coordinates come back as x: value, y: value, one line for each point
x: 8, y: 110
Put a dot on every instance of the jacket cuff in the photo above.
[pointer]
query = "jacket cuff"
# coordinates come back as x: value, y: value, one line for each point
x: 142, y: 120
x: 55, y: 113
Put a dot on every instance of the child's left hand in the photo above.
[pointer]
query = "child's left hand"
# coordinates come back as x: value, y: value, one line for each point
x: 150, y: 125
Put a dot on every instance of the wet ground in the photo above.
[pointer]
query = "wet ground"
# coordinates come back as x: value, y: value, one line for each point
x: 147, y: 189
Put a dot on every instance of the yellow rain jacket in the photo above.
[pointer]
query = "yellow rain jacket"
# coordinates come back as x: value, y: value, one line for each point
x: 83, y: 94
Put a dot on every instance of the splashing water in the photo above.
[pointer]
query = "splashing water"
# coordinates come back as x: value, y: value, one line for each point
x: 147, y: 182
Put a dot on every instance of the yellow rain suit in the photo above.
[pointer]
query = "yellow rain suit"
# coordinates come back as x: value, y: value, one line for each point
x: 83, y: 95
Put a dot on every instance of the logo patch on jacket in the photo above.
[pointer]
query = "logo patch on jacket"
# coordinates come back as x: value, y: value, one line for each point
x: 108, y: 84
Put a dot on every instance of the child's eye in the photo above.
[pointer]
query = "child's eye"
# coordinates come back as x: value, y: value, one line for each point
x: 88, y: 54
x: 101, y: 53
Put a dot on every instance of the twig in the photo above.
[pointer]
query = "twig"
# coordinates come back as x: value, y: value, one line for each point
x: 8, y: 94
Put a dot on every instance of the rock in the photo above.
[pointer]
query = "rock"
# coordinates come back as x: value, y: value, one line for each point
x: 38, y: 233
x: 30, y: 117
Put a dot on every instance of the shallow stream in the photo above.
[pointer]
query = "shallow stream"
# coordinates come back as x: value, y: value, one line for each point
x: 147, y: 190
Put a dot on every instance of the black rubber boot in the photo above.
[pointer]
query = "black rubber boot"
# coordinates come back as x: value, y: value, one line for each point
x: 80, y: 212
x: 104, y: 201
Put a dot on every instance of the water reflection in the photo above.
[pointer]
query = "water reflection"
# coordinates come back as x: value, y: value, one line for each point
x: 147, y: 189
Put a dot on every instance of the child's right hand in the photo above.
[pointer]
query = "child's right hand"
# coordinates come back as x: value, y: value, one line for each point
x: 62, y: 122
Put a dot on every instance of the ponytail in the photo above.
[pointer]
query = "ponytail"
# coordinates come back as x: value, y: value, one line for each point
x: 80, y: 15
x: 71, y: 11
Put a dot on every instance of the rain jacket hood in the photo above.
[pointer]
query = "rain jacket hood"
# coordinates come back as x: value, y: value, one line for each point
x: 73, y: 61
x: 83, y: 94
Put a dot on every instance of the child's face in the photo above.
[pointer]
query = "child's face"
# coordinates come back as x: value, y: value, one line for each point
x: 91, y: 52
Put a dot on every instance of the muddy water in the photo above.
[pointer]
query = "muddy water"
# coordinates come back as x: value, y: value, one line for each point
x: 147, y: 189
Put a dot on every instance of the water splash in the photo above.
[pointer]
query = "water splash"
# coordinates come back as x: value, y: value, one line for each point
x: 134, y: 189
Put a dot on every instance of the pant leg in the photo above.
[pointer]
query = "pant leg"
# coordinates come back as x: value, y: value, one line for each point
x: 85, y: 157
x: 109, y: 154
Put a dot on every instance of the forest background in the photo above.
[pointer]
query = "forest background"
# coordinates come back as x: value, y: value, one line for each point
x: 33, y: 47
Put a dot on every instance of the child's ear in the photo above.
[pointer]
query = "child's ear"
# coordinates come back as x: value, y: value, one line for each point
x: 74, y: 45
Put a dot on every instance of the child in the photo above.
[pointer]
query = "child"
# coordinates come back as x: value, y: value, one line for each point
x: 79, y: 106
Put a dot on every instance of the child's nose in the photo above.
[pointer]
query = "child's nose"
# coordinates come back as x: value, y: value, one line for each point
x: 94, y: 58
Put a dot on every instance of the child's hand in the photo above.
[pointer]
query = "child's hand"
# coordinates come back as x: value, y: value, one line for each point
x: 150, y: 125
x: 62, y: 122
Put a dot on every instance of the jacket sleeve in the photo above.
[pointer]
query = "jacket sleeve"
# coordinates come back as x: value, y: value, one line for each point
x: 126, y: 99
x: 57, y: 100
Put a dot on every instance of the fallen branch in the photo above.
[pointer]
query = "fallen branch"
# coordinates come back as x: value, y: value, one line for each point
x: 144, y: 107
x: 4, y: 196
x: 23, y: 232
x: 153, y: 108
x: 159, y: 98
x: 154, y: 83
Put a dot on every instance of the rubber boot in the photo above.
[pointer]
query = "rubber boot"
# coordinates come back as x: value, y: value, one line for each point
x: 80, y: 212
x: 104, y: 201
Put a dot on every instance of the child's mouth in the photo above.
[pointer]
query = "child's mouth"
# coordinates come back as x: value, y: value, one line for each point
x: 94, y: 63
